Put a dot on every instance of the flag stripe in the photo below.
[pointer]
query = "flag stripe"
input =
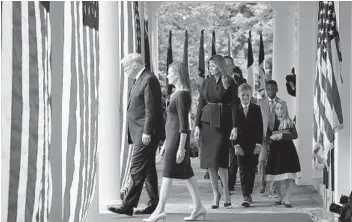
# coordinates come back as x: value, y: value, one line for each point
x: 80, y: 164
x: 90, y: 74
x: 72, y: 125
x: 93, y: 162
x: 88, y: 157
x: 42, y: 137
x: 40, y: 185
x: 49, y: 94
x: 86, y: 147
x: 95, y: 125
x: 33, y: 112
x: 66, y: 92
x: 74, y: 189
x: 86, y: 57
x: 7, y: 99
x: 83, y: 113
x: 16, y: 111
x: 25, y: 114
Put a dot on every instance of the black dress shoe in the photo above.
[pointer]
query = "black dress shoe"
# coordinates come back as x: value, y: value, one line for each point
x: 288, y: 205
x: 122, y: 209
x: 146, y: 210
x: 246, y: 202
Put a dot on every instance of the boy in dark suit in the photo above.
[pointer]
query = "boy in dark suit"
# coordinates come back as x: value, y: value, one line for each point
x: 249, y: 140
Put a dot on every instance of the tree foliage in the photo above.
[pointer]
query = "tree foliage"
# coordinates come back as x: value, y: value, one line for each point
x: 222, y: 17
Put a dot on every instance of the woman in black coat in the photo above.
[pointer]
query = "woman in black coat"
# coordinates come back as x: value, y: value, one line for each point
x: 215, y: 123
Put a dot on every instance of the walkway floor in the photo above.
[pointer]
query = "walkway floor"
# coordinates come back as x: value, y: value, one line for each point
x: 305, y: 199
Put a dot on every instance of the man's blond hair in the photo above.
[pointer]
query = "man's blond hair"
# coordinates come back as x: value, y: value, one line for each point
x: 132, y: 57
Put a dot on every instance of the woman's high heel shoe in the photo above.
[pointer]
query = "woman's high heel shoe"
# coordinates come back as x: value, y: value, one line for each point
x: 194, y: 216
x: 161, y: 216
x: 217, y: 203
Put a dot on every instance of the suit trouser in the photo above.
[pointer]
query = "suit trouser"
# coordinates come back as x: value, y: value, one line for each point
x: 247, y: 165
x: 233, y: 168
x: 143, y: 170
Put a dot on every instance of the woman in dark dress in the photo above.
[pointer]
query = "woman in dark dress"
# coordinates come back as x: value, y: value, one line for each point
x: 177, y: 163
x: 215, y: 123
x: 283, y: 163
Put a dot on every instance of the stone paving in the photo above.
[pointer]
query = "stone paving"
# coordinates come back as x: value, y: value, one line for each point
x: 305, y: 199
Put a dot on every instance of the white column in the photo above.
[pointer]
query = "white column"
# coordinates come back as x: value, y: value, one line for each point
x: 93, y: 213
x: 307, y: 26
x: 109, y: 127
x: 343, y: 151
x: 283, y: 50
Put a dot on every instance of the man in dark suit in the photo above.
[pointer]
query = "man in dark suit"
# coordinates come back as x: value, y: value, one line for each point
x: 233, y: 166
x: 249, y: 141
x: 145, y: 131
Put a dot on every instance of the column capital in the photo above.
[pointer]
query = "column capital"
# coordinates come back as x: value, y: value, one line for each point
x: 153, y: 7
x: 283, y: 6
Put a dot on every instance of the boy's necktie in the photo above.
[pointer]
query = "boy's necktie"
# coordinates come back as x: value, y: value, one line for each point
x: 271, y: 105
x: 245, y: 110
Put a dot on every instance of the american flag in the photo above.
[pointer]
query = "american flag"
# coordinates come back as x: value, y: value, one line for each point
x: 327, y: 112
x: 261, y: 76
x: 79, y: 107
x: 213, y: 44
x: 250, y: 61
x: 138, y: 27
x: 28, y: 118
x: 201, y: 63
x: 26, y: 111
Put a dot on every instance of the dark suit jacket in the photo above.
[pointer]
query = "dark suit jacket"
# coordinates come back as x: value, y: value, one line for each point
x: 144, y: 109
x: 250, y: 129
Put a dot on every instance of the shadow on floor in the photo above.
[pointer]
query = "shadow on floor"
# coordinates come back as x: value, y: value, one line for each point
x: 305, y: 199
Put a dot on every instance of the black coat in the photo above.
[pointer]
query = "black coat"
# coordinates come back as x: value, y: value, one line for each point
x: 250, y: 129
x: 144, y: 109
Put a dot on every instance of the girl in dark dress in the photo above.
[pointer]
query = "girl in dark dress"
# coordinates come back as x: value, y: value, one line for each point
x: 283, y: 163
x: 215, y: 124
x: 177, y: 163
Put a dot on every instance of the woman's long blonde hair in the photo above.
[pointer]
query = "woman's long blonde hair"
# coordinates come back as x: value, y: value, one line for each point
x: 182, y: 74
x: 286, y: 121
x: 221, y: 64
